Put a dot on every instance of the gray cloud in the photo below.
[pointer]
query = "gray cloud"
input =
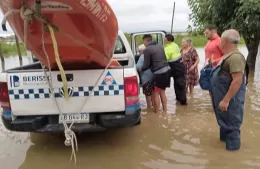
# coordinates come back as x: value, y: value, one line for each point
x: 143, y: 15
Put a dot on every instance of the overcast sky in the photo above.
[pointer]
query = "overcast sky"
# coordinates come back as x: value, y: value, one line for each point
x: 143, y: 15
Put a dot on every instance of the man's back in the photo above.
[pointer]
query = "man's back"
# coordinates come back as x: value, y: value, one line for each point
x: 154, y: 56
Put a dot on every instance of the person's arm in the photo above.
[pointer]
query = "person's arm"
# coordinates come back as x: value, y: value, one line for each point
x: 236, y: 67
x: 234, y: 86
x: 197, y: 59
x: 195, y: 53
x: 147, y: 60
x: 139, y: 63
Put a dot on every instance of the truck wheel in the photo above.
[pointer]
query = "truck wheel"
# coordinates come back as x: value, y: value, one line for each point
x: 139, y: 122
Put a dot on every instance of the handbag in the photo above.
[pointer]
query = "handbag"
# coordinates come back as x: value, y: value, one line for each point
x: 204, y: 79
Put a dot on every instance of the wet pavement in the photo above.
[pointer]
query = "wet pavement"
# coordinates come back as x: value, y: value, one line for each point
x: 186, y: 138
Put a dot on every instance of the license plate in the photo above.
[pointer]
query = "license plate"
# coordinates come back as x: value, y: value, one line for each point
x: 76, y: 118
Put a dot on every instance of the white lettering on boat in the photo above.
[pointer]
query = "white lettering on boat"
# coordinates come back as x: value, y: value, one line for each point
x: 98, y: 9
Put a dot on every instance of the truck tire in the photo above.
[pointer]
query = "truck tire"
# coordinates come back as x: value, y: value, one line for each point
x: 139, y: 122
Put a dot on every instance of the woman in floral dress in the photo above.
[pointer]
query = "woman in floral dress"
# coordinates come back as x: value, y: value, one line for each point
x: 190, y: 59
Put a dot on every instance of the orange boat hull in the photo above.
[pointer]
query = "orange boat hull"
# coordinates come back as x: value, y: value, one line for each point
x: 91, y: 23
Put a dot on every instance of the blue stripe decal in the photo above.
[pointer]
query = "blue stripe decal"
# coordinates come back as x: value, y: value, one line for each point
x: 44, y: 93
x: 133, y: 107
x: 7, y: 114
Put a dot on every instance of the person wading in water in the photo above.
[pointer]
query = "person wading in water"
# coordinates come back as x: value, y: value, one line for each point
x: 173, y: 56
x: 228, y: 89
x: 190, y: 59
x: 154, y: 58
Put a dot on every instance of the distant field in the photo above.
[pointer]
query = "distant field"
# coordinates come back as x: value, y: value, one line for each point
x: 7, y: 49
x: 197, y: 40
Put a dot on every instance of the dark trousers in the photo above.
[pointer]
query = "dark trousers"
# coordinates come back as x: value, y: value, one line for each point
x: 178, y: 74
x: 180, y: 89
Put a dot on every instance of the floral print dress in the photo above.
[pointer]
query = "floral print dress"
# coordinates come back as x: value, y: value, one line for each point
x: 189, y: 59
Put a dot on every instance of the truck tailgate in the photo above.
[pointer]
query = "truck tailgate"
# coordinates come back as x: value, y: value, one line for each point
x: 30, y: 95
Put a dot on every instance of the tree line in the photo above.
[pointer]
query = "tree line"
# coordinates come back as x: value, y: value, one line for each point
x: 243, y: 15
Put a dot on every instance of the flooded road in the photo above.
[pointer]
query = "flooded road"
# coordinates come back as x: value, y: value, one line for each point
x: 186, y: 138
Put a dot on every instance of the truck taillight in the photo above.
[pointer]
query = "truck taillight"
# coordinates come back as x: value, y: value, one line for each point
x: 4, y: 96
x: 131, y: 90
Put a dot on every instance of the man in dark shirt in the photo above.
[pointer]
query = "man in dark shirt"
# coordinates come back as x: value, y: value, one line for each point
x: 154, y: 58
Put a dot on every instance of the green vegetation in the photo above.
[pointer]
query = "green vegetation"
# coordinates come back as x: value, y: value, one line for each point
x: 10, y: 49
x: 198, y: 39
x: 242, y: 15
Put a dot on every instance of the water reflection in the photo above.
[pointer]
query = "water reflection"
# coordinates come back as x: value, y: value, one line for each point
x: 186, y: 138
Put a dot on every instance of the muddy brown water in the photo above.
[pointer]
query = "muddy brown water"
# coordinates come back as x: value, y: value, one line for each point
x: 185, y: 138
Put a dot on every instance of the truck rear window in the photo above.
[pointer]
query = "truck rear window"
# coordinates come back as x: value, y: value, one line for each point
x: 120, y: 47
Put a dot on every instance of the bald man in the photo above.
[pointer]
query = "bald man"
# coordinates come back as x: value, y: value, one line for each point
x: 228, y: 89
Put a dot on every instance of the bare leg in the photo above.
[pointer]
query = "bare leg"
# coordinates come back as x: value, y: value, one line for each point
x: 156, y: 102
x: 148, y: 101
x: 187, y: 89
x: 152, y: 98
x: 164, y: 101
x: 191, y: 90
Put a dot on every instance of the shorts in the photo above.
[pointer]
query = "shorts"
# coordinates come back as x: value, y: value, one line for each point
x: 162, y: 81
x: 148, y: 88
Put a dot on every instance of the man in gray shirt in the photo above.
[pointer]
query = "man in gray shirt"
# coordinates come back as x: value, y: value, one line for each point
x: 154, y: 58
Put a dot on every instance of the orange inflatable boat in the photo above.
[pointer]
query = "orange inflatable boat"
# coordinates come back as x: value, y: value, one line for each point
x: 85, y: 30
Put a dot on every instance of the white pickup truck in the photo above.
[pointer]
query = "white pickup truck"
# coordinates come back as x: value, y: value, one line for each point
x: 28, y: 106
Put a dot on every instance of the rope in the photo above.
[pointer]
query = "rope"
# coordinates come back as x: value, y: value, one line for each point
x: 57, y: 58
x: 71, y: 139
x: 10, y: 12
x: 27, y: 15
x: 97, y: 81
x: 69, y: 134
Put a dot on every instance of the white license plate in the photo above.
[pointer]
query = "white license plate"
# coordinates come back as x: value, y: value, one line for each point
x: 76, y: 118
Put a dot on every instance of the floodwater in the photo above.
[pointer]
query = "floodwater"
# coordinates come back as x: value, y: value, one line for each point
x: 186, y: 138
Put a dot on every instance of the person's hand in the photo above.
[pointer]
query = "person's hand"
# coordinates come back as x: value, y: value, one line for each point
x: 223, y: 105
x: 211, y: 60
x: 191, y: 68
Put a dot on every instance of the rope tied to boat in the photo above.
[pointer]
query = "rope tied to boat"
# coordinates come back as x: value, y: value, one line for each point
x: 70, y: 136
x: 27, y: 15
x: 71, y: 139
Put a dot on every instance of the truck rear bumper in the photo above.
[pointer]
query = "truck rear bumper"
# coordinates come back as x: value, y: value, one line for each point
x: 49, y: 123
